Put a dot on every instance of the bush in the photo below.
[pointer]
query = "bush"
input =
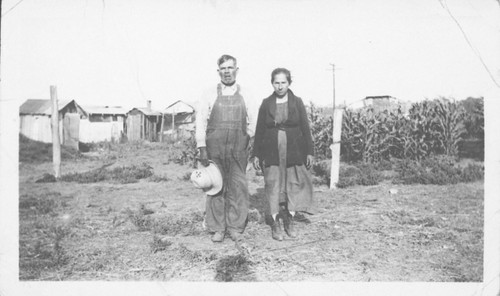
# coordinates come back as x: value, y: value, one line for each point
x: 349, y: 175
x: 438, y: 170
x: 472, y: 173
x: 322, y: 170
x: 368, y: 175
x: 183, y: 152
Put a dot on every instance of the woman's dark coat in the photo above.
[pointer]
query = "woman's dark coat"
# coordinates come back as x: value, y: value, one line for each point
x: 299, y: 140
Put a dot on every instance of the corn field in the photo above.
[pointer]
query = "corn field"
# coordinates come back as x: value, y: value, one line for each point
x: 430, y: 127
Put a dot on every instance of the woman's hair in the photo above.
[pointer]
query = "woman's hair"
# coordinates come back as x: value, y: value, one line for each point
x: 225, y: 58
x: 279, y: 71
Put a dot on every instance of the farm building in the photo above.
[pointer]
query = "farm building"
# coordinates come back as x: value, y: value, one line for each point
x: 143, y: 124
x: 178, y: 120
x: 102, y: 123
x: 381, y: 103
x: 35, y: 120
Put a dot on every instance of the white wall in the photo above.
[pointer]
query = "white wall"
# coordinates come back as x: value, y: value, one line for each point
x: 100, y: 131
x: 37, y: 127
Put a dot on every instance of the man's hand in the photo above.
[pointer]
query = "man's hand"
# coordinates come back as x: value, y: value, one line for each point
x: 309, y: 161
x: 256, y: 164
x: 203, y: 157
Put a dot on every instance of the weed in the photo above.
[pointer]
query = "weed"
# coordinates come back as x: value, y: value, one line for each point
x: 159, y: 244
x: 141, y: 221
x: 186, y: 177
x: 123, y: 175
x: 172, y: 225
x: 233, y: 268
x: 46, y: 178
x: 159, y: 178
x: 322, y: 170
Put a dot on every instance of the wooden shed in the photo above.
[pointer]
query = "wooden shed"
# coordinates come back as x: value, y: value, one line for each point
x: 143, y: 124
x: 35, y: 120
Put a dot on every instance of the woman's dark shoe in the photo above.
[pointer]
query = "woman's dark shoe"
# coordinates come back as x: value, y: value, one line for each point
x: 277, y: 233
x: 289, y: 225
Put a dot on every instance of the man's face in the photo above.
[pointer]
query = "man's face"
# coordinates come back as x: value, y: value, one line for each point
x: 227, y: 72
x: 280, y: 85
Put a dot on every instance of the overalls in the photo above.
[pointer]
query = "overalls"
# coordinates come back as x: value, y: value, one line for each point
x: 227, y: 143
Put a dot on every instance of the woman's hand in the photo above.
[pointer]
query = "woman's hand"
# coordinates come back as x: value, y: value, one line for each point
x: 256, y: 163
x: 309, y: 161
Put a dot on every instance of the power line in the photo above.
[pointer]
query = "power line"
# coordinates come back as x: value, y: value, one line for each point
x: 475, y: 51
x: 19, y: 2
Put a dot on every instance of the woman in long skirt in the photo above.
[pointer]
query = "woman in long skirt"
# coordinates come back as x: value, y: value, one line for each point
x: 283, y: 149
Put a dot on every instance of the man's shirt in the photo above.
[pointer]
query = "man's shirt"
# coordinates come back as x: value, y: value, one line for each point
x: 204, y: 108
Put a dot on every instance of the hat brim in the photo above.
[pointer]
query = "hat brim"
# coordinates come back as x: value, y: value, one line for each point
x: 216, y: 177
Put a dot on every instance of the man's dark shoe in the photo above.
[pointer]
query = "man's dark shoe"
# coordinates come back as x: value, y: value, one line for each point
x: 218, y: 236
x: 277, y: 233
x: 289, y: 225
x: 235, y: 235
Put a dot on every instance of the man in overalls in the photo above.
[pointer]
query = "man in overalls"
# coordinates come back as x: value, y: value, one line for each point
x: 225, y: 122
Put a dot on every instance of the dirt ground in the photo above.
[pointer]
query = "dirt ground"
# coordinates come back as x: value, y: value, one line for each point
x: 153, y: 230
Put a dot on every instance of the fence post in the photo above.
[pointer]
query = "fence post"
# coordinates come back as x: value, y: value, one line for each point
x: 162, y: 126
x: 56, y: 144
x: 337, y: 132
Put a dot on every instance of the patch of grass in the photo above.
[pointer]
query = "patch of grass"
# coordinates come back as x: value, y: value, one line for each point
x: 141, y: 221
x: 122, y: 175
x: 41, y: 235
x: 31, y: 151
x: 173, y: 225
x: 159, y: 178
x: 35, y: 205
x: 234, y: 268
x: 159, y: 244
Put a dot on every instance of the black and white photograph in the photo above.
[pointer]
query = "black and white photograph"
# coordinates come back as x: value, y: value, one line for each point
x: 230, y: 147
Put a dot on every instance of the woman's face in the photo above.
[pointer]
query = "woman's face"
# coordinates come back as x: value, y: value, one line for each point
x: 280, y: 85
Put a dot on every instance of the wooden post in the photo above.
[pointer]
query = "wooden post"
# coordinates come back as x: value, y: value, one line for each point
x: 173, y: 126
x: 56, y: 143
x: 161, y: 127
x: 337, y: 132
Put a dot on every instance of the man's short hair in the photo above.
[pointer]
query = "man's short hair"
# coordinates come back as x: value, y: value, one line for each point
x: 224, y: 58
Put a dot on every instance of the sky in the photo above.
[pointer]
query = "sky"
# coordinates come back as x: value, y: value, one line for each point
x: 123, y: 53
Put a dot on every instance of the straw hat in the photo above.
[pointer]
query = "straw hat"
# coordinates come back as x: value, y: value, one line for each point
x: 209, y: 179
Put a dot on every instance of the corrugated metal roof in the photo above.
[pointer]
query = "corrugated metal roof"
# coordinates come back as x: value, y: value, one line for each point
x: 111, y: 110
x: 147, y: 112
x: 41, y: 106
